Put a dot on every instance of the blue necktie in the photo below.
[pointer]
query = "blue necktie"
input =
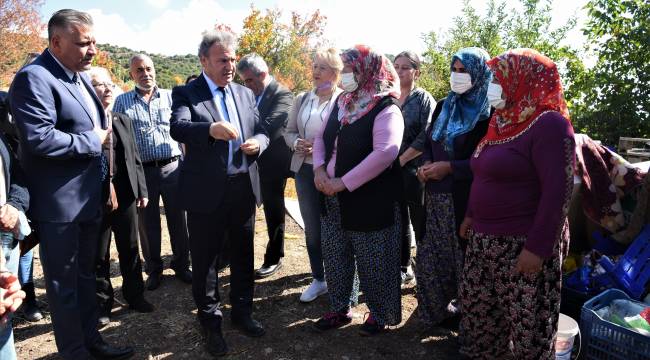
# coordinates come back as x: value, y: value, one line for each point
x: 237, y: 158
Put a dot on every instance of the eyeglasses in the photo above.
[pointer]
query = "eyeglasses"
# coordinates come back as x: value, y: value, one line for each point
x: 105, y: 85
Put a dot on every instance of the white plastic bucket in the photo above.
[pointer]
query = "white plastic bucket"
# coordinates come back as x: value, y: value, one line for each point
x: 567, y: 329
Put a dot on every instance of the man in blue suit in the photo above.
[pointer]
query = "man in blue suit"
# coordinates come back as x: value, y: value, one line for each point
x: 62, y: 127
x: 218, y: 122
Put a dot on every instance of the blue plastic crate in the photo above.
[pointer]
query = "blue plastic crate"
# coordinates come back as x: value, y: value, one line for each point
x: 632, y: 270
x: 606, y: 245
x: 604, y: 340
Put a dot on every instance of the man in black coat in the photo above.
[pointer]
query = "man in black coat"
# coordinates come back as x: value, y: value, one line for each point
x: 218, y: 122
x: 14, y: 199
x: 128, y: 181
x: 274, y: 103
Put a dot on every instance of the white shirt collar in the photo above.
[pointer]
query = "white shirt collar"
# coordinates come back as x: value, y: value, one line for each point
x: 211, y: 84
x: 68, y: 72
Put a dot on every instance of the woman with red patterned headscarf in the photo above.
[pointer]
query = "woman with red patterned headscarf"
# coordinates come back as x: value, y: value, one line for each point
x: 516, y: 217
x: 355, y: 168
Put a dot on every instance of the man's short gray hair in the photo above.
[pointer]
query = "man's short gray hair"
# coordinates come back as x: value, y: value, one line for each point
x: 254, y: 63
x: 143, y: 57
x: 62, y: 19
x: 223, y: 38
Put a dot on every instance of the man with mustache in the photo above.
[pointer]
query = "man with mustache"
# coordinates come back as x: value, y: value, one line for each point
x: 274, y: 102
x: 218, y: 122
x: 62, y: 127
x: 150, y: 109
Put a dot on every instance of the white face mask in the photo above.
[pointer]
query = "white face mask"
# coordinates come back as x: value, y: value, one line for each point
x: 348, y: 82
x: 460, y: 82
x: 494, y: 92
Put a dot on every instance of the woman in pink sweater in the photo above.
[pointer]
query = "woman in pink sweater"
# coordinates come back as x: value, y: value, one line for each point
x: 356, y: 170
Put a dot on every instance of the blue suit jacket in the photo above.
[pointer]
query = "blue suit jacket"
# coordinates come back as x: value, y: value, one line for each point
x: 204, y: 171
x: 59, y: 151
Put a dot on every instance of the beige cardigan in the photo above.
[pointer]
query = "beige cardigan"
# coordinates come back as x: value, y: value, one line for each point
x: 295, y: 129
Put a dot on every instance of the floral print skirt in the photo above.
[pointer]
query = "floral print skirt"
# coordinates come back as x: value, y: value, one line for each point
x: 507, y: 314
x: 439, y: 260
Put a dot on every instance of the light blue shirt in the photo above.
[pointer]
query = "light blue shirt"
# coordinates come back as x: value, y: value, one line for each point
x: 150, y: 123
x: 233, y: 118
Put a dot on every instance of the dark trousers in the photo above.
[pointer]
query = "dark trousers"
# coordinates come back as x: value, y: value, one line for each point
x: 235, y: 214
x: 273, y: 200
x: 68, y: 259
x: 163, y: 181
x: 274, y: 170
x: 124, y: 223
x: 412, y: 211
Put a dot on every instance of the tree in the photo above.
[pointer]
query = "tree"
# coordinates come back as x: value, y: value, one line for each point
x: 469, y: 29
x: 497, y: 30
x: 532, y: 29
x: 615, y: 93
x: 286, y: 48
x: 20, y: 29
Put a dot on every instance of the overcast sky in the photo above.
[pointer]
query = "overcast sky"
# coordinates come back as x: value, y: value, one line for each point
x: 174, y: 27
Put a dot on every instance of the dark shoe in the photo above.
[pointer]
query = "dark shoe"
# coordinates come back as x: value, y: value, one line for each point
x: 248, y: 326
x: 142, y: 306
x: 215, y: 343
x: 371, y: 327
x: 267, y: 270
x: 32, y: 312
x: 104, y: 351
x: 332, y: 320
x: 153, y: 281
x: 184, y: 275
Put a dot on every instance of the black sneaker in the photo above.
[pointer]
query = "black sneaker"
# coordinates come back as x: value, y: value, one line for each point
x: 332, y: 320
x: 371, y: 327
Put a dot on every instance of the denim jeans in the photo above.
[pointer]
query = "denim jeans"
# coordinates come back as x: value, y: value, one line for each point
x: 309, y: 202
x: 11, y: 252
x: 25, y: 268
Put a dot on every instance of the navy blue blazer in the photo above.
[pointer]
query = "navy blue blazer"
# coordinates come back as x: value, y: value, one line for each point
x: 59, y: 151
x: 204, y: 170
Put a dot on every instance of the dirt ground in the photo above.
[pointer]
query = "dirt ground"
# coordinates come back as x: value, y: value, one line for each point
x: 172, y: 331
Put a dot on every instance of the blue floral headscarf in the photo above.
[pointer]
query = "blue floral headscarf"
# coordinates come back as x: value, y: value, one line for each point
x: 461, y: 112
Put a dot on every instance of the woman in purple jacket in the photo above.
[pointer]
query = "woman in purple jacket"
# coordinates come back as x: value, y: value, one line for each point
x: 459, y: 123
x: 516, y: 217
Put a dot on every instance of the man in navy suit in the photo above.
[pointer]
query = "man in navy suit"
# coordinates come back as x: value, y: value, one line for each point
x: 61, y: 126
x: 218, y: 122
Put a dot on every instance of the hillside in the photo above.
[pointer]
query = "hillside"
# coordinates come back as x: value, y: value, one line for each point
x: 170, y: 70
